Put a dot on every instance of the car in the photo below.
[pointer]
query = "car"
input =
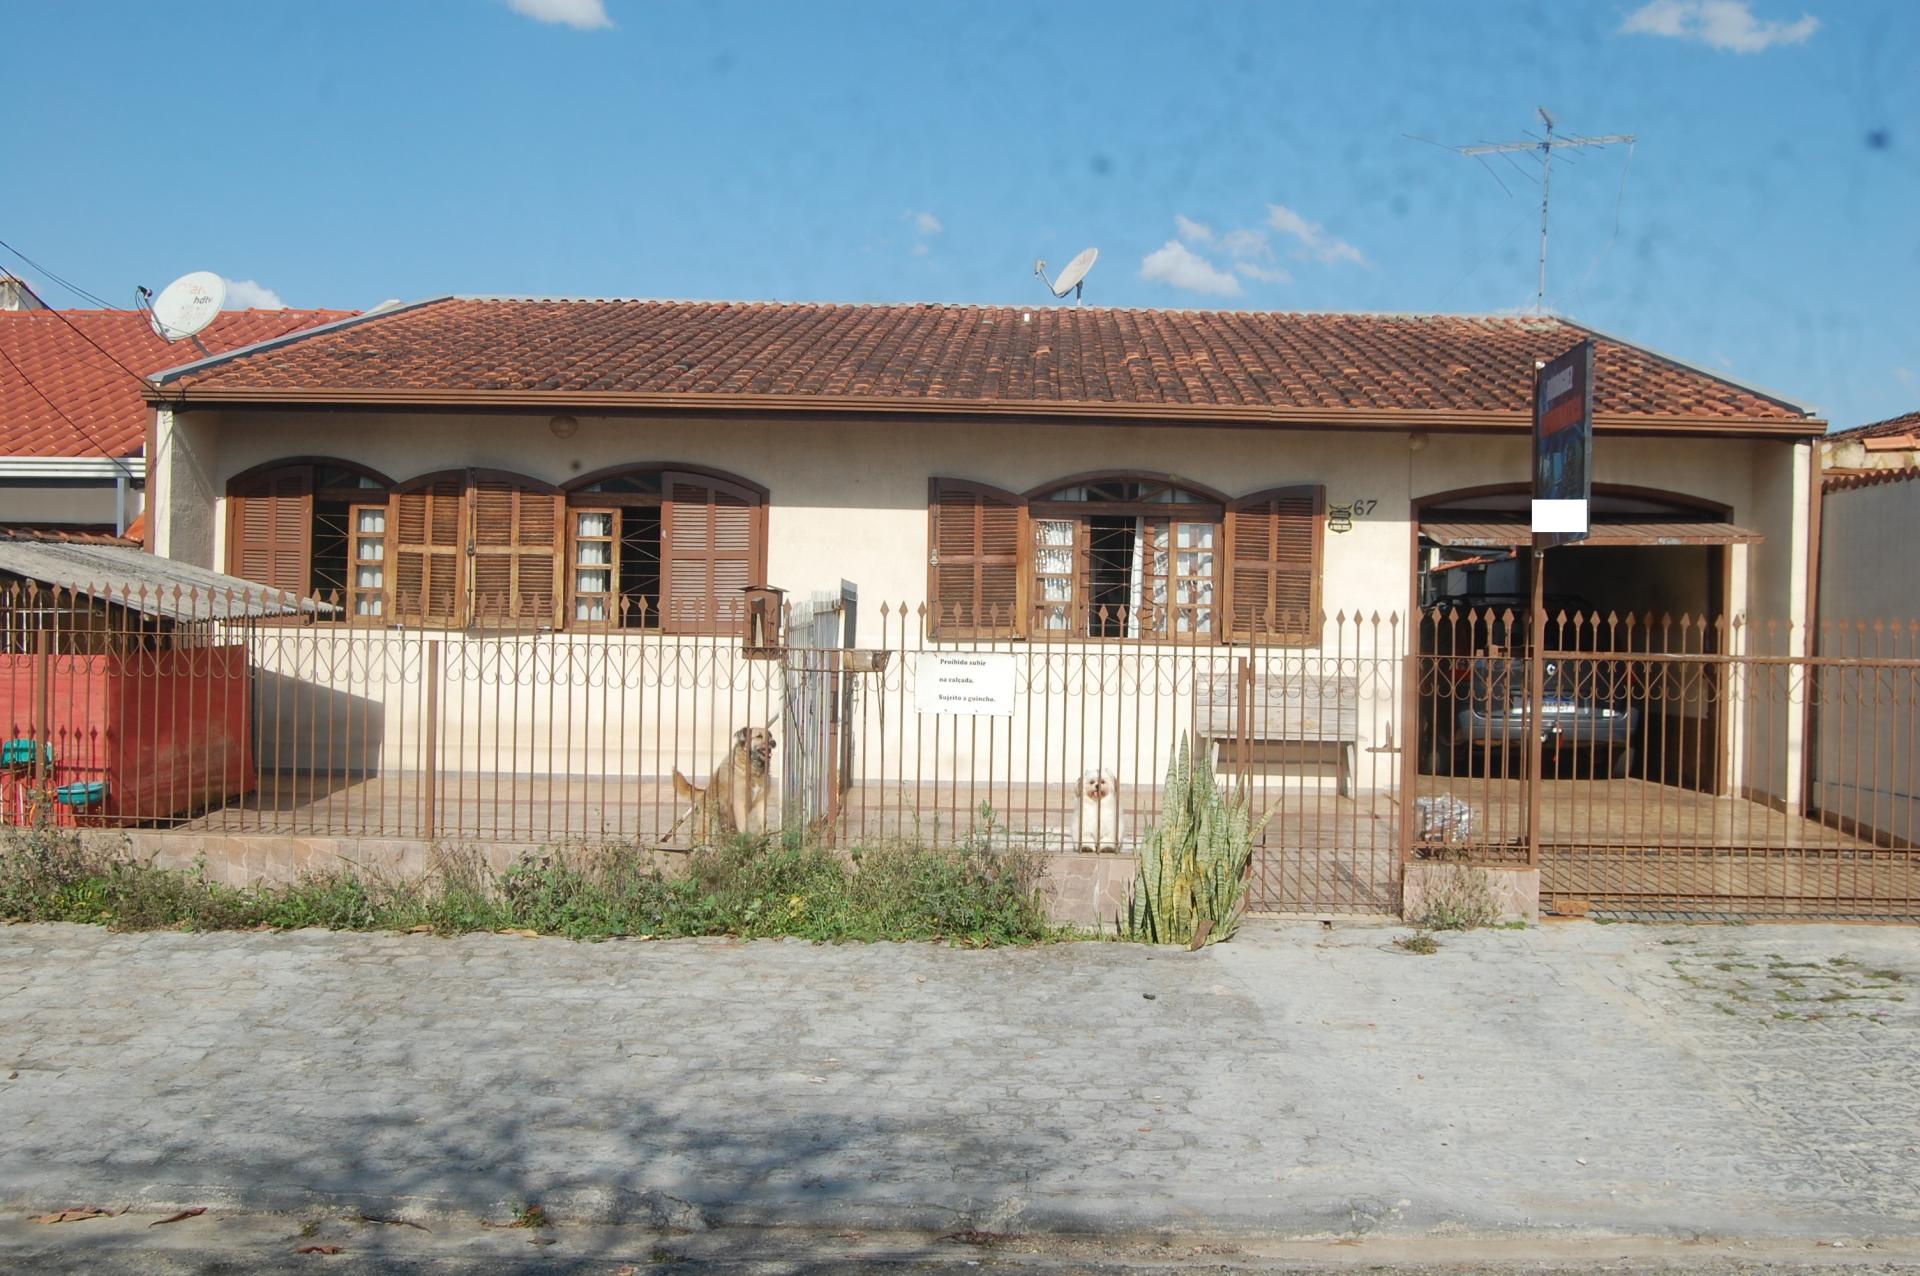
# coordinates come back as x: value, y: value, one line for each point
x: 1473, y: 692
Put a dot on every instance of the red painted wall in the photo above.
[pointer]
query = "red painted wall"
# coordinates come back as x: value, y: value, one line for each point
x: 169, y: 732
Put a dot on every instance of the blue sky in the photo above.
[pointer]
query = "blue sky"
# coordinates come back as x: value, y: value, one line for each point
x: 1766, y: 224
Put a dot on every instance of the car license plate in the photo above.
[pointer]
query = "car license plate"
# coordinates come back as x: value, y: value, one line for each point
x: 1559, y: 704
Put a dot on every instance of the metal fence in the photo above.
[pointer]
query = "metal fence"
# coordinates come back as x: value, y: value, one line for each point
x: 1687, y: 765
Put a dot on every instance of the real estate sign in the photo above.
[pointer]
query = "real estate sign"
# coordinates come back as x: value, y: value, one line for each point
x: 1563, y: 447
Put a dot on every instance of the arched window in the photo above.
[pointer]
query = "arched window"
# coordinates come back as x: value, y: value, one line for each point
x: 663, y: 547
x: 312, y: 526
x: 1124, y: 556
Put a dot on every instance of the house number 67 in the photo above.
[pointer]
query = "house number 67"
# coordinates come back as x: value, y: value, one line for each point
x: 1340, y: 517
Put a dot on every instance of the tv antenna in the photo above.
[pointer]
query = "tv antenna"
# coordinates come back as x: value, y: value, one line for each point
x: 1544, y: 147
x: 185, y: 306
x: 1072, y: 277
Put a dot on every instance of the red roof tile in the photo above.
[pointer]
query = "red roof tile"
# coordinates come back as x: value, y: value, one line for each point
x: 99, y: 397
x: 996, y: 358
x: 1869, y: 478
x: 1891, y: 428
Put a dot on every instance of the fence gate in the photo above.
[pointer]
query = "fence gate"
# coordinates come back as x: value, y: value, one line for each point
x: 816, y: 736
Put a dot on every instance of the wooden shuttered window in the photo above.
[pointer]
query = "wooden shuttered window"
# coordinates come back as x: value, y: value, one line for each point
x: 515, y: 529
x: 712, y: 546
x: 424, y: 526
x: 1273, y: 564
x: 975, y: 585
x: 270, y: 529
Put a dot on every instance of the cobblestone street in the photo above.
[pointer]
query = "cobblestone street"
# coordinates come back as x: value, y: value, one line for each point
x: 1670, y: 1081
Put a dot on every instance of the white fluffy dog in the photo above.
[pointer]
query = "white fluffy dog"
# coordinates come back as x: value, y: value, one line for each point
x: 1099, y: 794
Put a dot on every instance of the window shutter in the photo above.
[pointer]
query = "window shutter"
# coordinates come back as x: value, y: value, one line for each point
x: 711, y: 548
x: 974, y: 584
x: 1273, y: 569
x: 516, y: 549
x: 271, y: 528
x: 424, y: 527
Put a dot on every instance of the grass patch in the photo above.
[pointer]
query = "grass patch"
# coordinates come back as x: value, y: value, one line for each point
x: 967, y: 895
x: 1421, y: 943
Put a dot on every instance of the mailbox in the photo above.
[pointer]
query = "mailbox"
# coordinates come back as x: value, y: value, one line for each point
x: 763, y: 635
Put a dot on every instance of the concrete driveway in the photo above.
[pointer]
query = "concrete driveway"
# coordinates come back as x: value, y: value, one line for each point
x: 1298, y: 1082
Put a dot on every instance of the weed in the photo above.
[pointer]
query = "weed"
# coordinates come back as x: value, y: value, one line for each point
x: 532, y: 1217
x: 968, y: 895
x: 1421, y: 942
x: 1457, y: 897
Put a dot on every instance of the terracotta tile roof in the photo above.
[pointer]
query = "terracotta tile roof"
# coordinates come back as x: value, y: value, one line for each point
x: 1869, y: 478
x: 100, y: 397
x: 1893, y: 427
x: 1194, y: 364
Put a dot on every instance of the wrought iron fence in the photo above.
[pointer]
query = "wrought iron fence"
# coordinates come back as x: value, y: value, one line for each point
x: 1686, y: 764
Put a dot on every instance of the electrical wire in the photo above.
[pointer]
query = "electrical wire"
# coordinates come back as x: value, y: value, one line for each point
x: 70, y: 286
x: 82, y: 430
x: 55, y: 312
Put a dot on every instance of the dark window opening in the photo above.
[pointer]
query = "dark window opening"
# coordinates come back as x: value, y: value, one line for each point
x: 640, y: 567
x: 1110, y: 548
x: 332, y: 529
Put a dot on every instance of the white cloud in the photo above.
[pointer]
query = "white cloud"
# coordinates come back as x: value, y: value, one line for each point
x: 1312, y: 238
x: 248, y: 294
x: 1247, y: 245
x: 1175, y: 264
x: 1720, y: 24
x: 1907, y: 375
x: 581, y: 15
x: 1265, y: 274
x: 1192, y: 231
x: 926, y: 223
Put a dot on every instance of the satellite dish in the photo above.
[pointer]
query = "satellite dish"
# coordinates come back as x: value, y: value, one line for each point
x: 1072, y: 277
x: 187, y: 305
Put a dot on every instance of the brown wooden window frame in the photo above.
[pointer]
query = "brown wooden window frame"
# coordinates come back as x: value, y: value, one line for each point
x: 294, y: 508
x: 954, y: 519
x: 720, y: 608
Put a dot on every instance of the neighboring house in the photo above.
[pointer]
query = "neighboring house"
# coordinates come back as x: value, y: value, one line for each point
x: 73, y: 423
x: 1884, y: 445
x: 1869, y: 597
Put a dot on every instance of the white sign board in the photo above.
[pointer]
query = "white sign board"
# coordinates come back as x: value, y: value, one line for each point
x: 975, y: 682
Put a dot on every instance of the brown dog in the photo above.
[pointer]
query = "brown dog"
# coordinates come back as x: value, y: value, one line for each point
x: 737, y: 796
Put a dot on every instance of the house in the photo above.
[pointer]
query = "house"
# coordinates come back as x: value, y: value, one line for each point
x: 1007, y: 467
x: 538, y: 520
x: 73, y: 423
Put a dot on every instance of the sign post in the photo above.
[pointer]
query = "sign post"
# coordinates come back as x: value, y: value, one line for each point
x: 1562, y: 514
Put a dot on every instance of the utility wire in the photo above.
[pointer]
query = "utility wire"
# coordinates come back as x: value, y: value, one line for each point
x: 82, y: 430
x: 55, y: 312
x: 69, y: 285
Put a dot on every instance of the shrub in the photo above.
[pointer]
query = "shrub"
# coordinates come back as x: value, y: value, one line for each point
x: 1193, y: 862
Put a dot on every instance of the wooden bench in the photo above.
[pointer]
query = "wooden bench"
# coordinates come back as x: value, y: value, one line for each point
x: 1287, y: 707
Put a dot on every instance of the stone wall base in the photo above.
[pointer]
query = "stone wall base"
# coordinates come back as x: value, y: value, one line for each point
x: 1516, y: 891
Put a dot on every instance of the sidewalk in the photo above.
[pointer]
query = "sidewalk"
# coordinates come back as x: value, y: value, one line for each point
x: 1754, y: 1082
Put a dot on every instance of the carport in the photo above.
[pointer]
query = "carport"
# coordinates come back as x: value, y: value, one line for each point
x: 1651, y: 579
